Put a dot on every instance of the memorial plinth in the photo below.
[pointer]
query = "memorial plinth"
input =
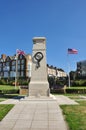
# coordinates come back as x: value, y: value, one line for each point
x: 39, y: 85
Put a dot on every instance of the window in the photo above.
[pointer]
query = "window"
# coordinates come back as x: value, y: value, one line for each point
x: 12, y: 74
x: 18, y: 67
x: 22, y: 73
x: 18, y: 61
x: 7, y: 63
x: 6, y: 68
x: 6, y: 74
x: 22, y: 67
x: 13, y: 62
x: 22, y: 61
x: 13, y: 67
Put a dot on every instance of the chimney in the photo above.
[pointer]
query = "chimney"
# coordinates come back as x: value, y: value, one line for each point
x: 3, y: 56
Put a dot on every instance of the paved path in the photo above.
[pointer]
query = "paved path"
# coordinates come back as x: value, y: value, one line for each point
x: 10, y: 101
x: 63, y: 100
x: 37, y: 114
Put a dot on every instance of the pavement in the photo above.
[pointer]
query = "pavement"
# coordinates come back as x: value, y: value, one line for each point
x: 36, y: 114
x: 63, y: 100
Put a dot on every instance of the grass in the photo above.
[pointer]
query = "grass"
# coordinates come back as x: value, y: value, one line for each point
x: 6, y: 95
x: 75, y: 115
x: 4, y: 109
x: 7, y: 87
x: 81, y: 87
x: 75, y: 96
x: 70, y: 94
x: 2, y: 99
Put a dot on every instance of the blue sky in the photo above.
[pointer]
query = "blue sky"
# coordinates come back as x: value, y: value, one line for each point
x: 62, y: 22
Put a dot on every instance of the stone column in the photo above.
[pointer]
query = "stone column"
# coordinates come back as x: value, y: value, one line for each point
x: 39, y: 85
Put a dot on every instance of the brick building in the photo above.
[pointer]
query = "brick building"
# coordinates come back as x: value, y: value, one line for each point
x: 20, y: 67
x: 11, y: 66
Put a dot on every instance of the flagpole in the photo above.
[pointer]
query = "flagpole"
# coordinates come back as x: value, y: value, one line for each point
x: 16, y: 71
x: 69, y: 79
x: 18, y: 52
x: 70, y: 51
x: 68, y: 71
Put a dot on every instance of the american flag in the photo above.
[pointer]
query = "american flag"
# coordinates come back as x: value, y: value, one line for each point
x: 72, y: 51
x: 20, y: 52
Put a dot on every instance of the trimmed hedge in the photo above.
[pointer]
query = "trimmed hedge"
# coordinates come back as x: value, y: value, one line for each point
x: 23, y: 87
x: 60, y: 91
x: 70, y: 90
x: 76, y: 90
x: 12, y: 91
x: 12, y: 82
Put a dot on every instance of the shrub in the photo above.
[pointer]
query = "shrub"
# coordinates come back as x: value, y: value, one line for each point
x: 23, y: 82
x: 79, y: 83
x: 2, y: 82
x: 24, y: 87
x: 76, y: 90
x: 12, y: 81
x: 12, y: 91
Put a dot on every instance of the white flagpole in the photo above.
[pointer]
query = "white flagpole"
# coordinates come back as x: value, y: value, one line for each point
x: 69, y: 77
x: 68, y: 71
x: 16, y: 70
x: 70, y: 51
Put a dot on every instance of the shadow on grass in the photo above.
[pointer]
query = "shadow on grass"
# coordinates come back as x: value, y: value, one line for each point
x: 11, y: 96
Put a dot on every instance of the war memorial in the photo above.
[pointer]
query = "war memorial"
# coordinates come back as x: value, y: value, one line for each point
x: 39, y: 85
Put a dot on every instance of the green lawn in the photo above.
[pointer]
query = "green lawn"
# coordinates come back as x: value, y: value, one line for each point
x: 4, y: 109
x: 7, y: 87
x: 8, y: 91
x: 77, y: 87
x: 2, y: 99
x: 75, y: 115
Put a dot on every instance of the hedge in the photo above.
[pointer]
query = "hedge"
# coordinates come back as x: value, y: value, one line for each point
x: 70, y: 90
x: 76, y: 90
x: 12, y: 91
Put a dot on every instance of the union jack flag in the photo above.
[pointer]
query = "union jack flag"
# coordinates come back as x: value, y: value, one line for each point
x: 20, y: 52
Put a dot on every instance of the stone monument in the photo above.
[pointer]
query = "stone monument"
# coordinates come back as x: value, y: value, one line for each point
x: 39, y: 85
